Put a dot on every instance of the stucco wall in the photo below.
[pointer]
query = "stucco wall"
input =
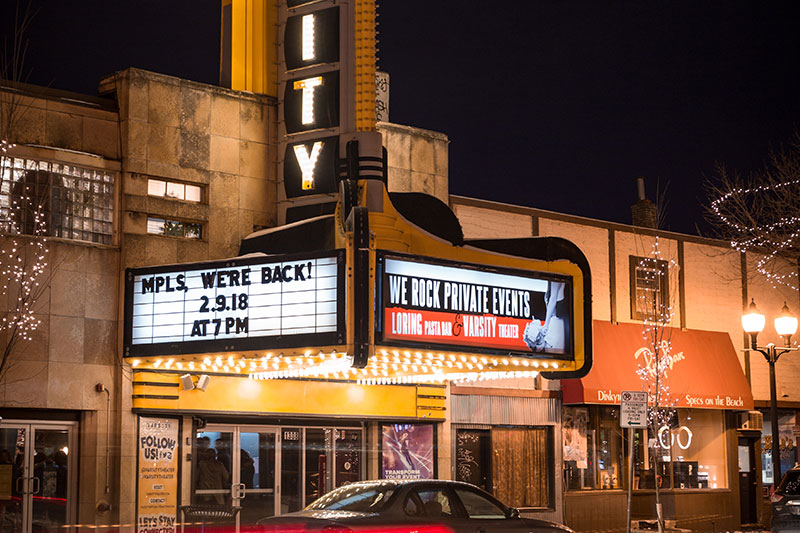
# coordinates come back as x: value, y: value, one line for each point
x: 417, y: 159
x: 220, y: 139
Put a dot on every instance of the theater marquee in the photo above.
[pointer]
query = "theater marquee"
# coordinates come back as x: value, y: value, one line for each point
x: 431, y: 303
x: 242, y: 304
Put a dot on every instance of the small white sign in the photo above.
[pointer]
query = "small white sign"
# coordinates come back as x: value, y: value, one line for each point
x: 633, y: 408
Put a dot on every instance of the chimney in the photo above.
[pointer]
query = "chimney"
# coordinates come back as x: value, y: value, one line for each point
x: 644, y: 212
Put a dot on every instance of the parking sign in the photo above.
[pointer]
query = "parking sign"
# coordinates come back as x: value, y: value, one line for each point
x: 633, y: 408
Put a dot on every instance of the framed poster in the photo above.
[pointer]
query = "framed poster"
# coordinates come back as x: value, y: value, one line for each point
x: 408, y: 451
x: 158, y: 472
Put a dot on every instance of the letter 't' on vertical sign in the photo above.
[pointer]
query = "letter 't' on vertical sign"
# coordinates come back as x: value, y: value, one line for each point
x: 310, y: 167
x: 311, y: 39
x: 311, y: 103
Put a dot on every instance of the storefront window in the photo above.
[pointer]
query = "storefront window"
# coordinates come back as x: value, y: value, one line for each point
x: 593, y: 453
x: 787, y: 444
x: 691, y: 455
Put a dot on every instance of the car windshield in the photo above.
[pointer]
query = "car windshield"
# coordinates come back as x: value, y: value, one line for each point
x: 790, y: 485
x: 358, y: 497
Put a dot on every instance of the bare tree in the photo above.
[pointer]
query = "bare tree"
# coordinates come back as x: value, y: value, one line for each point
x: 657, y: 276
x: 24, y: 199
x: 761, y: 213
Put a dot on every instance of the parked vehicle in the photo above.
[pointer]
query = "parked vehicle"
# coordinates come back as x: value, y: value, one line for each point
x: 425, y: 506
x: 786, y: 502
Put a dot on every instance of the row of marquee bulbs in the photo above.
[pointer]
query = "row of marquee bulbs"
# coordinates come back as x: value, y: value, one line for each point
x: 387, y: 368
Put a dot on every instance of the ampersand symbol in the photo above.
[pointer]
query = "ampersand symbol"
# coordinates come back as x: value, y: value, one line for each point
x: 458, y: 325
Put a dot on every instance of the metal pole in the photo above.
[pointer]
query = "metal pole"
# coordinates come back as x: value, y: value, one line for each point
x: 773, y: 415
x: 630, y: 478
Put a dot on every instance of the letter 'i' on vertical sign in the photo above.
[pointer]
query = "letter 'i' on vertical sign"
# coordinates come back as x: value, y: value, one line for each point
x: 308, y: 37
x: 307, y: 162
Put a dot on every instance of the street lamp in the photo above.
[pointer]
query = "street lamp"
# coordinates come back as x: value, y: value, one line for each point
x: 786, y: 326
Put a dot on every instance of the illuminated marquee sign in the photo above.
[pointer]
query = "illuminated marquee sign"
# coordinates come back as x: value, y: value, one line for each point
x: 311, y: 103
x: 430, y: 303
x: 310, y: 167
x: 312, y: 39
x: 242, y: 304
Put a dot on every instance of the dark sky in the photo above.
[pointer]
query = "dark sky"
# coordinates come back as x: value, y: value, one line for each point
x: 555, y: 104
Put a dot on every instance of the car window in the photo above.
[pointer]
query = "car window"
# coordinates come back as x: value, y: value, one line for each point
x: 477, y: 506
x: 435, y: 503
x: 413, y: 507
x: 358, y: 497
x: 790, y: 485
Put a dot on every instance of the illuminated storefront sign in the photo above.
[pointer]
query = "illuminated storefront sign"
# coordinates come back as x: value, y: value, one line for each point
x: 244, y: 304
x: 427, y: 302
x: 310, y: 167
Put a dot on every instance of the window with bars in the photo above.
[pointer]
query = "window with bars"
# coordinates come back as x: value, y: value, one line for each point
x: 649, y: 289
x: 58, y: 200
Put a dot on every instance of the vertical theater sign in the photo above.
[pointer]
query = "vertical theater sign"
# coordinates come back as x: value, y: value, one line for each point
x: 348, y: 310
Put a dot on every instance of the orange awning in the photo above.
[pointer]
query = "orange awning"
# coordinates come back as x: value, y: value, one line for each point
x: 705, y: 371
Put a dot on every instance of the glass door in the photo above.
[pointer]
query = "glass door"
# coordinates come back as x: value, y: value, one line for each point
x: 36, y: 481
x: 235, y: 468
x: 258, y: 465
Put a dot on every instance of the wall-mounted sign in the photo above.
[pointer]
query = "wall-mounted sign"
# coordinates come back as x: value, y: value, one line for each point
x: 407, y: 451
x: 157, y: 479
x: 311, y: 39
x: 243, y: 304
x: 310, y: 167
x: 429, y: 302
x: 311, y: 102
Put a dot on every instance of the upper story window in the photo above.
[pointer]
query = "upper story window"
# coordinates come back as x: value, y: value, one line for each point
x: 176, y: 190
x: 40, y: 197
x: 174, y: 228
x: 649, y: 289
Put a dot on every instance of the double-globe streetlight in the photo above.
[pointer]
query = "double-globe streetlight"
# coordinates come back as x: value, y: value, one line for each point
x: 786, y: 326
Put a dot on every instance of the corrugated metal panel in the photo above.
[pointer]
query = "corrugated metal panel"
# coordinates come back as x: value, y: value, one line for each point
x: 504, y: 410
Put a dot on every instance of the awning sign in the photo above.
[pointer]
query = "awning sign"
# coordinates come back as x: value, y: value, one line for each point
x: 517, y: 312
x: 633, y: 409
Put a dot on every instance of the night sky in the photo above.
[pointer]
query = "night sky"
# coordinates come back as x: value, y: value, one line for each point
x: 552, y: 104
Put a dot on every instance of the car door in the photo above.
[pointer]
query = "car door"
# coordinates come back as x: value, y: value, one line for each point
x: 434, y: 504
x: 482, y: 514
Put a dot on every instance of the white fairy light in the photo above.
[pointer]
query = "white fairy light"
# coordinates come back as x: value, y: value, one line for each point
x: 767, y: 239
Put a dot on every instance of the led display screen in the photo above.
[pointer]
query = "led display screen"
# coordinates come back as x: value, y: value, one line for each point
x: 312, y: 39
x: 247, y: 304
x: 426, y: 302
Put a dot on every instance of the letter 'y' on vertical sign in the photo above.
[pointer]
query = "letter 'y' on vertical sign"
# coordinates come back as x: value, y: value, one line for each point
x: 307, y: 162
x: 307, y: 86
x: 308, y: 37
